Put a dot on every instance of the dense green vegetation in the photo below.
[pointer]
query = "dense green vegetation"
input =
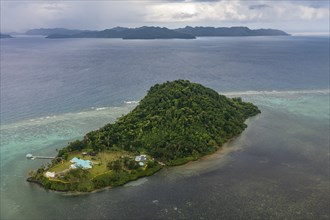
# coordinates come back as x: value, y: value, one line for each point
x: 82, y: 181
x: 175, y: 120
x: 174, y: 123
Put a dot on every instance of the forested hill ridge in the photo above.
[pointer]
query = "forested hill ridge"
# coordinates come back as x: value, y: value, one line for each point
x: 229, y: 31
x: 49, y: 31
x: 128, y: 33
x: 174, y: 123
x: 5, y: 36
x: 156, y: 33
x: 161, y: 32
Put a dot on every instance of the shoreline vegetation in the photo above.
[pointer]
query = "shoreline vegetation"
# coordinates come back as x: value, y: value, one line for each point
x: 175, y: 123
x: 220, y: 150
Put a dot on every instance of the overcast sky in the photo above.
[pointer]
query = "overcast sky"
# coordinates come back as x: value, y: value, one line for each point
x: 289, y: 15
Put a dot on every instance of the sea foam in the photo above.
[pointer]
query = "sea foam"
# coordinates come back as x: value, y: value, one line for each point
x: 276, y: 92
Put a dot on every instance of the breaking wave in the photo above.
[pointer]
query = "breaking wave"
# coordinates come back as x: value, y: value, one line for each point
x: 275, y: 92
x: 131, y: 102
x: 72, y: 117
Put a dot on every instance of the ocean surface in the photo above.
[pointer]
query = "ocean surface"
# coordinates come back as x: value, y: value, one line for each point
x: 54, y: 91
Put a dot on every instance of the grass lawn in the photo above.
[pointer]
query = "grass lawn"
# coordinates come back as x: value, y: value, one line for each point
x: 101, y: 160
x: 66, y: 164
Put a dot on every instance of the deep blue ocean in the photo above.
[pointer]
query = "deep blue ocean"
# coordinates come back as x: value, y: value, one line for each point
x: 54, y: 91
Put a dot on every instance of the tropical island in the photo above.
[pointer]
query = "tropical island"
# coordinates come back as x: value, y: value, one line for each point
x: 146, y: 32
x: 176, y: 122
x: 5, y: 36
x: 229, y: 31
x: 49, y: 31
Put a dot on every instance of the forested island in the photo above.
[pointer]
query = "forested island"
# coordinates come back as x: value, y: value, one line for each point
x: 129, y: 33
x: 49, y: 31
x: 156, y: 33
x: 229, y: 31
x: 5, y: 36
x: 159, y: 32
x: 176, y: 122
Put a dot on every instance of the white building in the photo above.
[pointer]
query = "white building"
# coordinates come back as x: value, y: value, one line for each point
x: 50, y: 174
x: 141, y: 158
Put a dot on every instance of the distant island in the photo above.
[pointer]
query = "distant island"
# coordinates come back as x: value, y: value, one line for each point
x: 129, y: 33
x: 5, y: 36
x: 176, y: 122
x: 50, y: 31
x: 229, y: 31
x: 158, y: 32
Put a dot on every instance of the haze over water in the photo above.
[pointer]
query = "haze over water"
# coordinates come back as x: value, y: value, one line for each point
x: 54, y: 91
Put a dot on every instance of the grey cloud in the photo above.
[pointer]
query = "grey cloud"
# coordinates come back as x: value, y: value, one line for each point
x: 206, y: 0
x: 258, y: 7
x: 185, y: 15
x: 19, y: 16
x: 312, y: 3
x: 319, y: 5
x: 182, y: 1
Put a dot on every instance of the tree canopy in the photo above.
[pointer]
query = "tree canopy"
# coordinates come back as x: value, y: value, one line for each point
x: 174, y: 121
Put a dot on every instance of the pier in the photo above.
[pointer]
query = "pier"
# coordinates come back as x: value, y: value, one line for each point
x: 32, y: 157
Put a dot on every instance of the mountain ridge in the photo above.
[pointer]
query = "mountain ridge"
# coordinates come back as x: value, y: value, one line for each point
x: 5, y: 36
x: 229, y: 31
x: 152, y: 32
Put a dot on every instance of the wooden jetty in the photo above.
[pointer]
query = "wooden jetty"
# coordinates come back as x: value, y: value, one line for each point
x: 33, y: 157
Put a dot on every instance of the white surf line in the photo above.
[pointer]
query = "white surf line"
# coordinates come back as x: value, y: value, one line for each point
x: 67, y: 117
x: 275, y: 92
x: 131, y: 102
